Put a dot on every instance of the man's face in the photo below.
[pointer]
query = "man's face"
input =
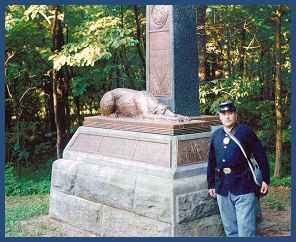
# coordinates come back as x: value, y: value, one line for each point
x: 228, y: 119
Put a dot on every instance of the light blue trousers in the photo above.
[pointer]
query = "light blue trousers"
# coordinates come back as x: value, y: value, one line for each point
x: 238, y: 214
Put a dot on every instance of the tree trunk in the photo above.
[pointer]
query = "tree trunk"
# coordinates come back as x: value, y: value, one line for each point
x: 60, y: 88
x: 278, y: 94
x: 229, y: 46
x: 77, y: 104
x: 51, y: 112
x: 131, y: 82
x: 242, y: 52
x: 140, y: 40
x: 201, y: 42
x: 47, y: 88
x: 8, y: 95
x: 115, y: 78
x: 264, y: 94
x: 266, y: 72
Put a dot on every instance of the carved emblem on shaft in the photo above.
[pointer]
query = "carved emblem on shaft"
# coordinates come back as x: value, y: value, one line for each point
x: 159, y: 15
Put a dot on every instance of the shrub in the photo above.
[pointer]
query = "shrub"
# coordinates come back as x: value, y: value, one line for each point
x: 282, y: 181
x: 35, y: 183
x: 11, y: 184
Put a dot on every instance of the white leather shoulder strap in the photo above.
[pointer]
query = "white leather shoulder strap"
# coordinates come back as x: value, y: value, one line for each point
x: 242, y: 149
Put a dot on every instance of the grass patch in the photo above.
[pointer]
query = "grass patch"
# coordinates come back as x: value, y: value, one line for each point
x: 34, y: 182
x: 275, y: 204
x: 20, y: 208
x: 278, y: 198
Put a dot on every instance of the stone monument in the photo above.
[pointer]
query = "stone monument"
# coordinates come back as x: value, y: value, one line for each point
x: 127, y: 176
x: 171, y: 57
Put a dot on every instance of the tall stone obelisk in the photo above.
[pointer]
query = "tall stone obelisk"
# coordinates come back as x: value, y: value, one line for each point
x: 171, y: 57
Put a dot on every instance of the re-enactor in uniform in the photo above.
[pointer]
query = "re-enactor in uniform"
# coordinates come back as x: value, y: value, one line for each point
x: 229, y: 177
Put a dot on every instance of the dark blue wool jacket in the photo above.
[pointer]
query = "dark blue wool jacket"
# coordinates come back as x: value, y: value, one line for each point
x: 230, y: 155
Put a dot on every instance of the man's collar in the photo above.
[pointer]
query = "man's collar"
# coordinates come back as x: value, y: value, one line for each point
x: 231, y: 130
x: 227, y: 130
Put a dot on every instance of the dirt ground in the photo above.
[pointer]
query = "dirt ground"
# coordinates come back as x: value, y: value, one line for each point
x: 276, y: 209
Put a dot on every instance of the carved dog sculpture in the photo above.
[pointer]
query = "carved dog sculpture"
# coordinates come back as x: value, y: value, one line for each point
x: 123, y: 102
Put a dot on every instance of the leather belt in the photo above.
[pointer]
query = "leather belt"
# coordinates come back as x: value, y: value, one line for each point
x: 236, y: 169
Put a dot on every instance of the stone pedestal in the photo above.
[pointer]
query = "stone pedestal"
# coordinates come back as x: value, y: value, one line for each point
x: 126, y: 183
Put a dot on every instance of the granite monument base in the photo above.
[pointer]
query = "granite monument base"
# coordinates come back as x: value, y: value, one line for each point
x: 124, y: 183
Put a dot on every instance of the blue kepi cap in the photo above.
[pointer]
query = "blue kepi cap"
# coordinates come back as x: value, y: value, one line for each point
x: 227, y: 106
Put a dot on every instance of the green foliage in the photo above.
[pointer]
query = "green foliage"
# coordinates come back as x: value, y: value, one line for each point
x: 29, y: 145
x: 83, y: 54
x: 20, y: 154
x: 271, y: 160
x: 240, y: 43
x: 11, y: 183
x: 234, y: 88
x: 18, y: 209
x: 287, y: 135
x: 275, y: 203
x: 282, y: 181
x: 37, y: 182
x: 99, y: 39
x: 79, y: 86
x: 279, y: 197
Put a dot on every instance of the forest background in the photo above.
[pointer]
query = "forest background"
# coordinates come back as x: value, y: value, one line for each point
x: 71, y: 55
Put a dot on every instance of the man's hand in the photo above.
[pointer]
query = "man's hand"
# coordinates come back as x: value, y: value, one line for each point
x: 212, y: 192
x: 264, y: 188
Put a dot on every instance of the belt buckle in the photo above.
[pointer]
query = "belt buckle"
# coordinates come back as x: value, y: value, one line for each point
x: 227, y: 170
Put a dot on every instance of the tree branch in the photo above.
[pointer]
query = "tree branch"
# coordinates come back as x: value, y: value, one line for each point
x: 29, y: 89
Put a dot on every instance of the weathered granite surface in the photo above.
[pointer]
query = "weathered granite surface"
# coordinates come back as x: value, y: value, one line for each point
x: 101, y: 219
x: 102, y: 191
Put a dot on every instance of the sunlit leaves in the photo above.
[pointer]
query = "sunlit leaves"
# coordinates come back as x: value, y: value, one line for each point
x: 46, y: 11
x: 98, y: 39
x: 78, y: 55
x: 234, y: 88
x: 102, y: 24
x: 29, y: 41
x: 13, y: 15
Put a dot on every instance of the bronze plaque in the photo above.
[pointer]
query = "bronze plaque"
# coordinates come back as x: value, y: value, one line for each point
x: 192, y: 151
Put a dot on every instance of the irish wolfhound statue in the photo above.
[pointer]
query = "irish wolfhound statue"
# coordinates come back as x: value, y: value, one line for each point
x: 123, y: 102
